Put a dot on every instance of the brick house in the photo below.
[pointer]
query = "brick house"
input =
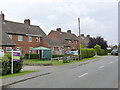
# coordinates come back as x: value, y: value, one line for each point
x: 84, y: 40
x: 67, y: 40
x: 22, y: 36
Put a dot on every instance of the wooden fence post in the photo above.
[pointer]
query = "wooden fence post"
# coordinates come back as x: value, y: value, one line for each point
x: 51, y: 61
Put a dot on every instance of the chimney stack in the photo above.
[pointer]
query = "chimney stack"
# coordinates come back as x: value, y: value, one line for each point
x: 69, y: 31
x: 58, y: 29
x: 27, y: 21
x: 82, y: 35
x: 88, y: 36
x: 2, y: 16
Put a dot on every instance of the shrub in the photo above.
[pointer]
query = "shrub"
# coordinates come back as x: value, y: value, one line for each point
x: 87, y: 53
x: 6, y: 64
x: 32, y: 56
x: 102, y: 52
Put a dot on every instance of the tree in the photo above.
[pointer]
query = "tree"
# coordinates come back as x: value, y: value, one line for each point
x: 98, y: 40
x: 97, y: 47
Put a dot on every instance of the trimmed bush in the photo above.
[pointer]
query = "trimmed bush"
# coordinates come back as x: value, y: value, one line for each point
x: 102, y: 52
x: 87, y: 53
x: 6, y: 64
x: 32, y: 56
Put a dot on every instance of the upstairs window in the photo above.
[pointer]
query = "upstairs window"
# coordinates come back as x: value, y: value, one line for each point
x: 29, y: 39
x: 10, y: 36
x: 20, y: 38
x: 69, y: 41
x: 76, y: 42
x: 37, y: 39
x: 72, y: 41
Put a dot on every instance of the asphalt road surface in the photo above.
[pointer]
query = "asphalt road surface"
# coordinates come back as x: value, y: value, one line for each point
x: 98, y: 74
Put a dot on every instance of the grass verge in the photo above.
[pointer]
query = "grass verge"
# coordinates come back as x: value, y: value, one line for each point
x: 37, y: 61
x: 16, y: 74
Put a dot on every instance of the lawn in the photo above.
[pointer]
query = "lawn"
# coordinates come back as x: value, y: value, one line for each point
x: 37, y: 61
x: 16, y: 74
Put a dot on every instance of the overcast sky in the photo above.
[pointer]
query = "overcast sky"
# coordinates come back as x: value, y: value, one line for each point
x: 98, y: 17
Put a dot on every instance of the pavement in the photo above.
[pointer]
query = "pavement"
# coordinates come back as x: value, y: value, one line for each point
x: 97, y: 73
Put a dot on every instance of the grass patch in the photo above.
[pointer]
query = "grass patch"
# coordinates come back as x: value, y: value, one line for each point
x: 16, y: 74
x: 56, y: 62
x: 36, y: 61
x: 83, y: 60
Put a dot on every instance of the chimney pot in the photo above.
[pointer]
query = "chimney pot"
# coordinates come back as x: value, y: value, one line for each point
x: 58, y: 29
x: 68, y: 31
x: 82, y: 35
x: 27, y: 21
x: 88, y: 36
x: 2, y: 16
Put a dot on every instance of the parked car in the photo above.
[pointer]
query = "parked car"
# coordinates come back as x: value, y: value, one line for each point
x: 71, y: 52
x: 114, y: 52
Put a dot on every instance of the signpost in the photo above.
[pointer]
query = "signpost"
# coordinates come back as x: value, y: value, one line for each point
x: 15, y: 58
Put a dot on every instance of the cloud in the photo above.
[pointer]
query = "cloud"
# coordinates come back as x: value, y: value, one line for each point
x: 52, y: 18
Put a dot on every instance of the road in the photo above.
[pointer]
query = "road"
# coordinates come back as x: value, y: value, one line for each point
x: 99, y: 74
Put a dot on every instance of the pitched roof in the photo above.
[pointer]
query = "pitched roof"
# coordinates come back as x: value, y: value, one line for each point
x: 63, y: 36
x: 20, y: 28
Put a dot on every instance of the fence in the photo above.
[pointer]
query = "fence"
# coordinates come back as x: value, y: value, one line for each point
x: 65, y: 58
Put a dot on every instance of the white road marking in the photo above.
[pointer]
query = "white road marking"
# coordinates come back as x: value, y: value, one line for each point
x: 101, y: 67
x: 82, y: 75
x: 111, y: 62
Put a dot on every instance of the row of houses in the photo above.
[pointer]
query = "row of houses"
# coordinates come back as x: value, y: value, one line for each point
x: 24, y: 36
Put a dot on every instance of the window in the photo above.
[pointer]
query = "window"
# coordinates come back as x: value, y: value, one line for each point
x: 72, y: 41
x: 19, y: 38
x: 68, y: 47
x: 29, y: 39
x: 73, y: 48
x: 37, y: 39
x: 30, y: 49
x: 59, y: 49
x: 18, y: 48
x: 10, y: 36
x: 53, y: 49
x: 76, y: 42
x: 8, y: 49
x: 69, y: 41
x: 0, y: 48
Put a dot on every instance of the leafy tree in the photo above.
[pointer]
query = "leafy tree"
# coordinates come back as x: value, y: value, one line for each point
x: 97, y: 47
x: 98, y: 40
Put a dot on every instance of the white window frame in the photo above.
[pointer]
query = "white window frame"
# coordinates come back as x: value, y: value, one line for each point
x: 7, y: 48
x: 72, y: 41
x: 10, y: 36
x: 19, y: 38
x: 0, y: 48
x: 37, y: 39
x: 20, y: 49
x: 76, y: 42
x: 29, y: 38
x: 69, y: 48
x: 69, y: 41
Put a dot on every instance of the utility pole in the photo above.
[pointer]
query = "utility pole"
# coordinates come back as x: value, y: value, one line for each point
x: 80, y: 56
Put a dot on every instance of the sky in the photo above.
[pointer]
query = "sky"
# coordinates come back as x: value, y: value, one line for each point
x: 98, y: 17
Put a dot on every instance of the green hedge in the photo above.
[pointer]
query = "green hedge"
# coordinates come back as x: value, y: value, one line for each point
x: 32, y: 56
x: 87, y: 53
x: 102, y: 52
x: 6, y: 64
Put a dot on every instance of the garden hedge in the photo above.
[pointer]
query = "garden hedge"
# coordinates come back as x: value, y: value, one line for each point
x: 102, y: 52
x: 6, y: 64
x: 32, y: 56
